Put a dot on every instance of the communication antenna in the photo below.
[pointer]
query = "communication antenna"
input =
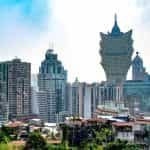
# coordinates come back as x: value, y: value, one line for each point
x: 51, y: 45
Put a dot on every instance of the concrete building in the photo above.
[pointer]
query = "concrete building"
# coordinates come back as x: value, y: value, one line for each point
x: 138, y: 70
x: 136, y: 92
x: 69, y: 104
x: 42, y: 97
x: 95, y: 97
x: 137, y: 96
x: 16, y: 87
x: 3, y: 93
x: 34, y: 98
x: 110, y: 93
x: 116, y: 53
x: 19, y: 88
x: 34, y: 101
x: 84, y: 98
x: 76, y: 97
x: 52, y: 79
x: 47, y: 106
x: 80, y: 99
x: 87, y: 102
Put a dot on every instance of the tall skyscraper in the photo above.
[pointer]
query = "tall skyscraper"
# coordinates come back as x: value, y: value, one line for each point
x: 69, y: 99
x: 3, y: 92
x: 19, y: 88
x: 52, y: 78
x: 116, y: 52
x: 34, y: 99
x: 76, y: 98
x: 42, y: 97
x: 16, y: 87
x: 82, y: 98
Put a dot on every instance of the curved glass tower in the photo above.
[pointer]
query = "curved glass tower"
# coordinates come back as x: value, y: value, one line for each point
x: 116, y: 53
x: 52, y: 79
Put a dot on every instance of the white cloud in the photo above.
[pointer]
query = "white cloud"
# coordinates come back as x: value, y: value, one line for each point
x: 21, y: 36
x: 74, y: 27
x: 82, y: 21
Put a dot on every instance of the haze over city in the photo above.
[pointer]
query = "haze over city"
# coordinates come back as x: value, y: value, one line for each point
x: 74, y: 74
x: 73, y: 26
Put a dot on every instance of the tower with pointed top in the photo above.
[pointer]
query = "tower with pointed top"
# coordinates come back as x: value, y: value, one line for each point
x: 116, y: 52
x: 52, y: 80
x: 138, y: 70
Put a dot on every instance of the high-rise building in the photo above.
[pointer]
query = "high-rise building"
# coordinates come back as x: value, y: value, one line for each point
x: 16, y: 87
x: 75, y: 97
x: 52, y: 78
x: 138, y: 70
x: 34, y: 99
x: 110, y: 93
x: 95, y: 97
x: 3, y: 92
x: 136, y: 92
x: 42, y: 97
x: 87, y: 109
x: 19, y: 88
x: 116, y: 53
x: 69, y: 99
x: 82, y: 98
x: 137, y: 96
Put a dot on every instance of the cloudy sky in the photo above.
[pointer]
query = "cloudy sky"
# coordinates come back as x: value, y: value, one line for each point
x: 28, y: 26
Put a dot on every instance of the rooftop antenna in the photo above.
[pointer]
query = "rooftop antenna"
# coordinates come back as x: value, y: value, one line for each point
x: 115, y: 17
x: 51, y: 45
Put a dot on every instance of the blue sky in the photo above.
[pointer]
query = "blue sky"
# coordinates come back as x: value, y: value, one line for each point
x: 28, y: 26
x: 33, y: 12
x: 24, y: 28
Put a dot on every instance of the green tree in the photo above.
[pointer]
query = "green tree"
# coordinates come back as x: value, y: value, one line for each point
x: 58, y: 147
x: 8, y: 132
x: 103, y: 135
x: 132, y: 147
x: 3, y: 137
x: 35, y: 141
x: 65, y: 134
x: 121, y: 145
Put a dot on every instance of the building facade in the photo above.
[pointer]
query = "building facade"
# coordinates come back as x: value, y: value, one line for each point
x: 34, y: 99
x: 110, y: 93
x: 136, y: 92
x: 42, y: 97
x: 3, y: 92
x: 19, y: 88
x: 116, y: 53
x: 79, y: 97
x: 52, y: 78
x: 138, y: 70
x: 84, y: 98
x: 15, y: 89
x: 137, y: 96
x: 69, y: 104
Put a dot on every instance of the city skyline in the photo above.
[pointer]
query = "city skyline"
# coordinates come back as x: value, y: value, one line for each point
x: 73, y: 27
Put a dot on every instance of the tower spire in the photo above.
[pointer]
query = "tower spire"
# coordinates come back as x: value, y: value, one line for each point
x: 115, y: 30
x: 51, y: 45
x: 115, y: 18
